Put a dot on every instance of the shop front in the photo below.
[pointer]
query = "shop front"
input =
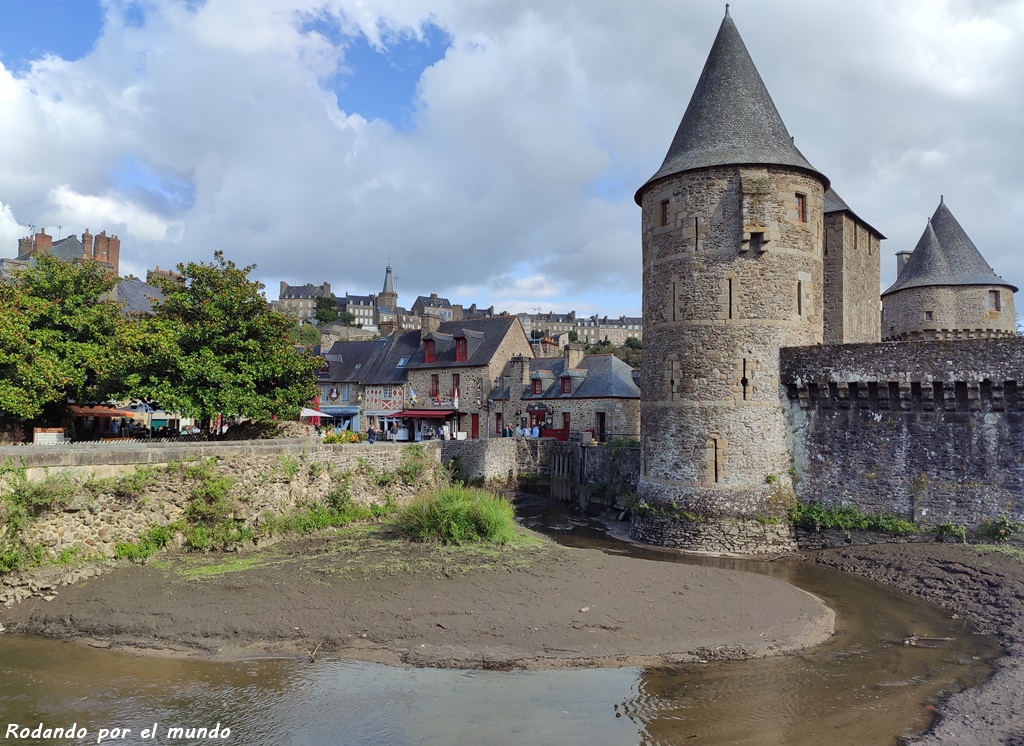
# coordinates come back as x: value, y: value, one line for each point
x: 345, y: 418
x: 430, y: 424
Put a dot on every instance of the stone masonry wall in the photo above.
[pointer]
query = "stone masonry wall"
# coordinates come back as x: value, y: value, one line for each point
x: 956, y: 312
x: 852, y: 276
x: 733, y: 276
x: 929, y: 431
x: 505, y: 460
x: 271, y: 477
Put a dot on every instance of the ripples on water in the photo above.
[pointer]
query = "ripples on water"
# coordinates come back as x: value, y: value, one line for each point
x: 861, y: 687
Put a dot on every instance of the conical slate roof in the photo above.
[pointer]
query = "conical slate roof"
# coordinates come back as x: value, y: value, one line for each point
x: 389, y: 286
x: 731, y: 119
x: 945, y: 255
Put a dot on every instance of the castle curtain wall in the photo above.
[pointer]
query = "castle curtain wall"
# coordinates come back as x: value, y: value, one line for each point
x: 931, y: 431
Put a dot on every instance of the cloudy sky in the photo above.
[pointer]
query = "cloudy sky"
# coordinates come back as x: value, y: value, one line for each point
x: 489, y: 149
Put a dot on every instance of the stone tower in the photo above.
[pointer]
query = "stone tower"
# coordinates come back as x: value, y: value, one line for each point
x: 732, y: 271
x: 946, y: 289
x: 388, y: 297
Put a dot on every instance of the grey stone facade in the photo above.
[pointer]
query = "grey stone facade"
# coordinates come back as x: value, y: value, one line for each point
x: 929, y: 431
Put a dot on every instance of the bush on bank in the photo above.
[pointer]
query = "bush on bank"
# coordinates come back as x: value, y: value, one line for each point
x: 459, y: 515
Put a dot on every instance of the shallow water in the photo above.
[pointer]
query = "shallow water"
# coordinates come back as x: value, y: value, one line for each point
x: 862, y: 686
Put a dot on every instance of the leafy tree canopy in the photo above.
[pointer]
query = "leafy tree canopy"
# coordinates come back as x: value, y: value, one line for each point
x: 59, y: 337
x: 326, y: 309
x: 230, y: 353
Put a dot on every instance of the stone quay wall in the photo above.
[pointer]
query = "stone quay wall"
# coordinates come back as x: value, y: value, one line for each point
x: 508, y: 461
x: 269, y: 478
x: 931, y: 431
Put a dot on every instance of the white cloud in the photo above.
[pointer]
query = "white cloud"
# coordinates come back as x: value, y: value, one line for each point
x: 530, y: 134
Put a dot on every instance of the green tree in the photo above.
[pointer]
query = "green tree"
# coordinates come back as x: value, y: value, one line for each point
x: 59, y: 338
x: 326, y: 309
x: 229, y: 353
x: 573, y: 336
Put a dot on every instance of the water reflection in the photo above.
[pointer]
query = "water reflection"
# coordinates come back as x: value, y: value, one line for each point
x: 862, y: 686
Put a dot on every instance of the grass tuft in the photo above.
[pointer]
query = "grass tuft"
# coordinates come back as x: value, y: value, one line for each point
x: 459, y: 515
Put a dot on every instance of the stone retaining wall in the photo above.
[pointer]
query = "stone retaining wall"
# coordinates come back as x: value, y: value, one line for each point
x: 730, y: 536
x: 506, y: 460
x: 270, y: 478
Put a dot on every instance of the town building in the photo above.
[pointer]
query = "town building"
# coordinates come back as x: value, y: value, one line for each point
x: 569, y: 394
x: 101, y: 248
x: 299, y: 301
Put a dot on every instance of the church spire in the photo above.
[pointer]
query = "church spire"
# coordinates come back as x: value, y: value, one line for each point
x: 731, y: 119
x: 389, y: 286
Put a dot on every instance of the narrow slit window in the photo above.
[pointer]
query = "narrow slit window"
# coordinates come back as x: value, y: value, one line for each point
x: 664, y: 212
x: 799, y: 298
x: 801, y: 207
x: 730, y: 298
x: 994, y: 302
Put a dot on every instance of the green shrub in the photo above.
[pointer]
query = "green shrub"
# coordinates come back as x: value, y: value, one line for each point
x: 847, y: 518
x: 413, y: 464
x: 459, y: 515
x: 212, y: 500
x: 155, y: 539
x: 288, y: 467
x: 623, y: 443
x: 997, y: 530
x: 951, y: 531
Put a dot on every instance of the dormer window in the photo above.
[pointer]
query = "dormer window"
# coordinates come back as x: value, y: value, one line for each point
x: 536, y: 386
x: 461, y: 349
x: 402, y: 362
x: 430, y: 351
x: 566, y: 385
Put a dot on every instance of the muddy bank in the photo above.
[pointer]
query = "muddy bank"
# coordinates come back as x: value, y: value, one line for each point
x: 363, y: 595
x: 984, y: 586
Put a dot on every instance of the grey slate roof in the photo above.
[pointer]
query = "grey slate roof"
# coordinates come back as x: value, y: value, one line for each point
x: 731, y: 119
x: 483, y: 336
x: 351, y: 361
x: 597, y: 377
x: 136, y: 296
x: 69, y: 249
x: 389, y: 286
x: 945, y: 255
x: 309, y: 290
x: 835, y: 203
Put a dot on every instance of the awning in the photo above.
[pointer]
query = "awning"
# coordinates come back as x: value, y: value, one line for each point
x: 383, y: 412
x: 339, y: 411
x: 307, y: 412
x: 426, y: 413
x: 101, y: 412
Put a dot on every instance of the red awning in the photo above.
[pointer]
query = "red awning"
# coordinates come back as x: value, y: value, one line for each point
x: 435, y: 413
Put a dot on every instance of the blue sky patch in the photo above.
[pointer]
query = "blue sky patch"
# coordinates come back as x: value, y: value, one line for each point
x: 29, y: 29
x: 381, y: 84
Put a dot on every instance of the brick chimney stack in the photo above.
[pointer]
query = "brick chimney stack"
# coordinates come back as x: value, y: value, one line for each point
x: 87, y: 245
x: 107, y: 249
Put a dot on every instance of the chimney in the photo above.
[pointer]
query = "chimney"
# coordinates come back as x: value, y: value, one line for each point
x: 87, y: 245
x: 387, y: 328
x: 519, y: 373
x: 429, y: 323
x: 902, y: 257
x: 573, y: 355
x: 280, y: 293
x: 107, y: 249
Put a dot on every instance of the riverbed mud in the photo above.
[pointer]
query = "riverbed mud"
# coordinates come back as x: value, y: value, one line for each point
x: 364, y: 595
x: 978, y: 583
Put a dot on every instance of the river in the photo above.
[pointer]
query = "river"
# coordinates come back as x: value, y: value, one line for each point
x: 864, y: 686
